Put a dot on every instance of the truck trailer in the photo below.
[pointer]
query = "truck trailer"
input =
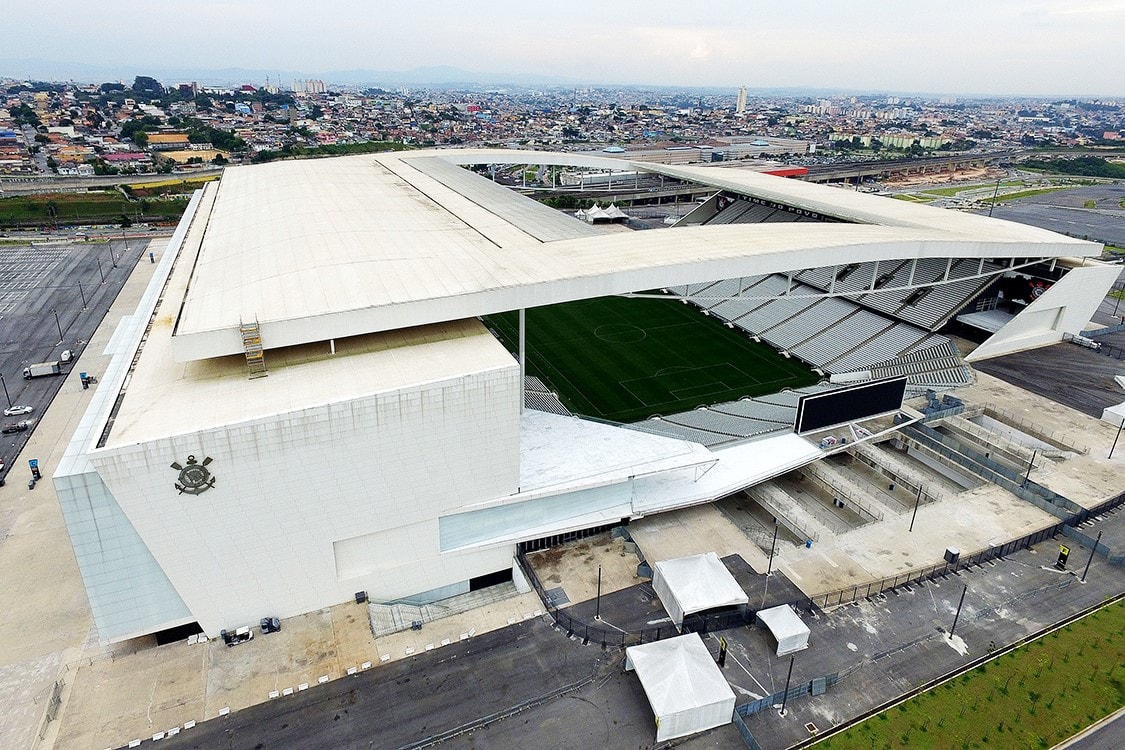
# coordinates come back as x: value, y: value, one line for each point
x: 41, y: 369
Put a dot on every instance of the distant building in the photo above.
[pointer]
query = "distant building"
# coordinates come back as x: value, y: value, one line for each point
x: 167, y: 141
x: 309, y: 87
x: 740, y: 105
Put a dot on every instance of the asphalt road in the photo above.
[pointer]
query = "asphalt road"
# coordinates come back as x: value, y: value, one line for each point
x: 1109, y: 736
x: 1064, y: 211
x: 1065, y: 373
x: 37, y: 283
x: 407, y: 701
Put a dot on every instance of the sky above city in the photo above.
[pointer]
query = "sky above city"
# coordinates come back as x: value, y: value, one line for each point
x: 953, y: 46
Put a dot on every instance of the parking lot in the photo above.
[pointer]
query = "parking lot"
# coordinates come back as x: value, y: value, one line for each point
x: 53, y: 296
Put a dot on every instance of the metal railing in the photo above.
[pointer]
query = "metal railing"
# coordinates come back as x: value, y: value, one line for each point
x: 1035, y: 430
x: 983, y: 466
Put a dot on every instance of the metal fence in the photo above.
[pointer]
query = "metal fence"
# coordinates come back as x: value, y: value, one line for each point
x: 1100, y: 347
x: 815, y: 686
x: 744, y: 731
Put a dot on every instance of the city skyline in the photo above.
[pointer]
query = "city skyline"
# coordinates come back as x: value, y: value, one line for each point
x: 999, y: 48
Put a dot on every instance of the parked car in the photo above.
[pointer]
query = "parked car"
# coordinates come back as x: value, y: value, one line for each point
x: 270, y: 625
x: 237, y: 637
x: 18, y: 409
x: 14, y: 427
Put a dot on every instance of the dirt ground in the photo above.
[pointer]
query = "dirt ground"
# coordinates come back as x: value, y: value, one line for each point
x: 937, y: 178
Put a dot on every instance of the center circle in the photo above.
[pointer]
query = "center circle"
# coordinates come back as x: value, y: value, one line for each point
x: 619, y: 333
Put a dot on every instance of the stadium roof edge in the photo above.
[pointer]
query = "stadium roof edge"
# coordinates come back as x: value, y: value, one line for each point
x: 331, y: 248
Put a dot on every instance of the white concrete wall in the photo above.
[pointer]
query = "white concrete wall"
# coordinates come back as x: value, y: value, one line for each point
x: 359, y: 484
x: 1064, y: 308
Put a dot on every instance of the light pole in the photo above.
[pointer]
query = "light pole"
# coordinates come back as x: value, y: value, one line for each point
x: 58, y: 325
x: 100, y: 271
x: 82, y: 294
x: 5, y: 384
x: 1115, y: 437
x: 1030, y: 466
x: 598, y: 606
x: 994, y: 194
x: 916, y: 501
x: 785, y: 695
x: 773, y: 547
x: 957, y: 616
x: 1092, y: 551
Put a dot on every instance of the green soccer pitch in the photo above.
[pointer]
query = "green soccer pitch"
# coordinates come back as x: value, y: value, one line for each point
x: 625, y: 359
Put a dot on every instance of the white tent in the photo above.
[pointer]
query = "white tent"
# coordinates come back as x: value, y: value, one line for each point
x: 791, y: 633
x: 686, y: 690
x: 694, y: 584
x: 613, y: 213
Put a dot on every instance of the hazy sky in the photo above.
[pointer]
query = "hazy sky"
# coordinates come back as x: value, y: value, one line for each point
x: 957, y: 46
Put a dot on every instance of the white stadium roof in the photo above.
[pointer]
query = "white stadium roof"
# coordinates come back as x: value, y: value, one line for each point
x: 330, y: 248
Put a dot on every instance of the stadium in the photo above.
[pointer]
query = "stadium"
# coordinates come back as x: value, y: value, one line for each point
x: 380, y: 374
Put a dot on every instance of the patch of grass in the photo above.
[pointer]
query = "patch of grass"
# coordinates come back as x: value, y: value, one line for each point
x: 1024, y: 194
x: 1090, y: 204
x: 952, y: 191
x: 84, y: 208
x: 1090, y: 687
x: 628, y: 359
x: 191, y: 182
x: 1121, y: 203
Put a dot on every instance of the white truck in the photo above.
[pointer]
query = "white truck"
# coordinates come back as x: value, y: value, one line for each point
x: 41, y: 369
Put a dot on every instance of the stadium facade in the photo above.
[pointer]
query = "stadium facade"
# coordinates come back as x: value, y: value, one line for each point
x: 306, y: 403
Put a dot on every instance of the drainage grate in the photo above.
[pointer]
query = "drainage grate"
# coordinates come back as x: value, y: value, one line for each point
x: 812, y: 728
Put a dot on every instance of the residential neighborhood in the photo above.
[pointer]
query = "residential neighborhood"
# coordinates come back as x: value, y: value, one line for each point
x: 148, y: 126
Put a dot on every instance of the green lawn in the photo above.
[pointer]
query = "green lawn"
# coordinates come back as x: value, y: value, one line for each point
x: 949, y: 192
x: 1026, y: 194
x: 84, y: 208
x: 1033, y: 697
x: 627, y: 359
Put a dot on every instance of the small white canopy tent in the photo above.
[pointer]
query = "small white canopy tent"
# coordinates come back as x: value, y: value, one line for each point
x: 685, y: 688
x: 695, y: 584
x: 791, y: 633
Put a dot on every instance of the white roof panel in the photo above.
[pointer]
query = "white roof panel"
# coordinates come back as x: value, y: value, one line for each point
x: 678, y: 674
x: 327, y: 248
x: 700, y: 582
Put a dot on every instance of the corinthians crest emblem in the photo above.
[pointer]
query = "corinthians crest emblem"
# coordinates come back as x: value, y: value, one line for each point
x: 195, y: 477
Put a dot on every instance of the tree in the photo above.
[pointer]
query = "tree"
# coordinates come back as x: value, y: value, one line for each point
x: 101, y: 167
x: 149, y: 86
x: 24, y: 115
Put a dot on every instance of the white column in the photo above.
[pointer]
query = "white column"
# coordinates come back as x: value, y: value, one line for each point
x: 523, y: 358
